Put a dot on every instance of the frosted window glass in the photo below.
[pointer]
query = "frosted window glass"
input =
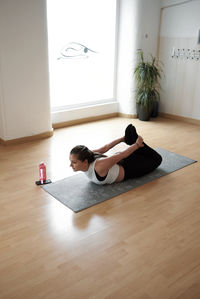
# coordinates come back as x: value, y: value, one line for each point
x: 81, y: 50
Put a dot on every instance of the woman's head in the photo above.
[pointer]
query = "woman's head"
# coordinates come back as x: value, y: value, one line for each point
x: 81, y: 157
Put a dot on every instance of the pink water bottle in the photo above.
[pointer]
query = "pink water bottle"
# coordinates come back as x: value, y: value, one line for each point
x: 42, y: 170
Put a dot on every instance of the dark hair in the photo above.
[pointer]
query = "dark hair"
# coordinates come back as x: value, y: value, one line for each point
x: 84, y: 153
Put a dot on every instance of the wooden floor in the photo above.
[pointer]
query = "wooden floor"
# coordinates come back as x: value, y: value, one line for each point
x: 144, y: 244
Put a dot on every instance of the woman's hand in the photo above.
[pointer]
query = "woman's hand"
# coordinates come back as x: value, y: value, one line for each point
x: 139, y: 141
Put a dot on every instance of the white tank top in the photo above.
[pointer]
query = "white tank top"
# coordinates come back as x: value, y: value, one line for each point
x: 110, y: 178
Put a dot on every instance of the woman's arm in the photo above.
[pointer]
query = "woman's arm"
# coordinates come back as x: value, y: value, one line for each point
x: 108, y: 146
x: 103, y: 165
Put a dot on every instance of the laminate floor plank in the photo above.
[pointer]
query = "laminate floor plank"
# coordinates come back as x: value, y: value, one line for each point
x: 143, y: 244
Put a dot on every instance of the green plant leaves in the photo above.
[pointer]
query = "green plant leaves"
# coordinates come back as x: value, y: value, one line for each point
x: 147, y: 75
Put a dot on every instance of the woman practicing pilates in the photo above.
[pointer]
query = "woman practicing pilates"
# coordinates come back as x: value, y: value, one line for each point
x: 135, y: 161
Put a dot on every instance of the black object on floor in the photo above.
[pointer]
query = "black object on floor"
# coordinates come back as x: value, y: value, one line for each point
x: 44, y: 182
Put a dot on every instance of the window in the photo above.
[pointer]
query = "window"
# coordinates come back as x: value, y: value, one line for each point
x: 81, y: 51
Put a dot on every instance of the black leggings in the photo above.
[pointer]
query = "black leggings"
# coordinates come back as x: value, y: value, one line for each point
x: 142, y: 161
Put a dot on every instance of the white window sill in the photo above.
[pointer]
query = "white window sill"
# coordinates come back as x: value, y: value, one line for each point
x: 65, y: 114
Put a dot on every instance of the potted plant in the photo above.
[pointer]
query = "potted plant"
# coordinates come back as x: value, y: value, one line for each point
x: 147, y: 75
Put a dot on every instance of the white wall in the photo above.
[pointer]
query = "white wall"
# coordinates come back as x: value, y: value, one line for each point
x: 181, y: 20
x: 166, y: 3
x: 25, y: 105
x: 1, y: 108
x: 138, y: 29
x: 180, y: 85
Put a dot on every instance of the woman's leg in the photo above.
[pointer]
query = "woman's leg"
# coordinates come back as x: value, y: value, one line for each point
x: 142, y: 161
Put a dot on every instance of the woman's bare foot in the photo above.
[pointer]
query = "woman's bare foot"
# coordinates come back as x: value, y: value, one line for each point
x: 139, y: 141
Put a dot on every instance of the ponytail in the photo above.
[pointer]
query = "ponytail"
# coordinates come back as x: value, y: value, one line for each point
x: 84, y: 153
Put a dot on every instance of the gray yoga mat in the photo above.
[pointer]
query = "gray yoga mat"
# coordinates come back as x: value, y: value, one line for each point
x: 78, y: 193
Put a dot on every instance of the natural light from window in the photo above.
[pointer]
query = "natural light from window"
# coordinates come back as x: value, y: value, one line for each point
x: 81, y: 51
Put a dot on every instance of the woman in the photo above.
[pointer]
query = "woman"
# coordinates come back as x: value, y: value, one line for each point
x: 135, y: 161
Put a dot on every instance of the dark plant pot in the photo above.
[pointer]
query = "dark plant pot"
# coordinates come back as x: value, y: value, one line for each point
x: 143, y: 112
x: 155, y: 109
